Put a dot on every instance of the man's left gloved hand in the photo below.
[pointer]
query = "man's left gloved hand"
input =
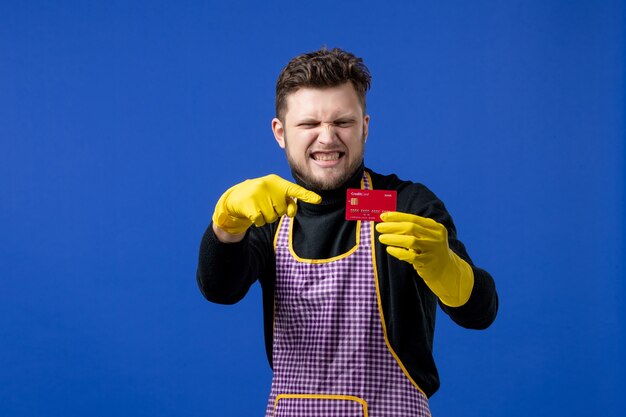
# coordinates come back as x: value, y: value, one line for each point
x: 423, y: 243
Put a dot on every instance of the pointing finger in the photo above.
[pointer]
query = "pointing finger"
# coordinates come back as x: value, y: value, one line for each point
x: 301, y: 193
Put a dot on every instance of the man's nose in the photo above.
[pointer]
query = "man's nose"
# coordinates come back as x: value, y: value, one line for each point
x: 327, y: 134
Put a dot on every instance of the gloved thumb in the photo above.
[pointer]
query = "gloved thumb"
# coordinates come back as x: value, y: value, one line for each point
x: 292, y: 207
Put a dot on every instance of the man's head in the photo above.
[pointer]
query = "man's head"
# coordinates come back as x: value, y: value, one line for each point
x: 321, y: 69
x: 320, y: 116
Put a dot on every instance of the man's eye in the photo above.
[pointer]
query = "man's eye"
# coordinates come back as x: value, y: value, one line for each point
x: 342, y: 123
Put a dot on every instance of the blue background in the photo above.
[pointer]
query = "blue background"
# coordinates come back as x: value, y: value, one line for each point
x: 121, y: 123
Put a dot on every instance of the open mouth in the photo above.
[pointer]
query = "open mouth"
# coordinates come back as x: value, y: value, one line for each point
x: 326, y: 156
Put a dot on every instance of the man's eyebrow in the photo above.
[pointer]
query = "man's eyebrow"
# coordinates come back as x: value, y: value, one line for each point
x: 306, y: 120
x: 346, y: 117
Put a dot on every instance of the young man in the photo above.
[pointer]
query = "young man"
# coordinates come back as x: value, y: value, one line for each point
x: 349, y: 306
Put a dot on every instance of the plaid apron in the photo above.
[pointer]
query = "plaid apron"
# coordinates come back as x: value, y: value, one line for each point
x: 330, y: 355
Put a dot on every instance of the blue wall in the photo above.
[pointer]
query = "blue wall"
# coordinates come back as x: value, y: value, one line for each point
x: 122, y: 122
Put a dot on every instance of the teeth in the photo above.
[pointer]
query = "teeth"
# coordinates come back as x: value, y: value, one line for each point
x: 332, y: 156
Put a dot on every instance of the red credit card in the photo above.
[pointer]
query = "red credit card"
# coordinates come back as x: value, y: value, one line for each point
x: 369, y: 204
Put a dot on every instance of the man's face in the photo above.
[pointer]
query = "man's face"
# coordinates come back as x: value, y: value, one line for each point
x: 323, y: 134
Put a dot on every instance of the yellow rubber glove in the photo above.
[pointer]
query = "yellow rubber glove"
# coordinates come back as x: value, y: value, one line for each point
x: 259, y: 201
x: 423, y: 243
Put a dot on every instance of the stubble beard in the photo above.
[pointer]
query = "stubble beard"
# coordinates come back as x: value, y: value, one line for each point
x: 300, y: 173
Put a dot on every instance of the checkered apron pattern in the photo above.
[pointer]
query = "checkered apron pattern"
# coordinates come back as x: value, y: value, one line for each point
x: 330, y: 356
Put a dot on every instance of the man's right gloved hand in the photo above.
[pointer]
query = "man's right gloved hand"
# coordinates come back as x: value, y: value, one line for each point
x: 259, y: 201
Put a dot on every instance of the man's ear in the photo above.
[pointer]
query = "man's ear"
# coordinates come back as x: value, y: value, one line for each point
x: 279, y: 132
x: 366, y: 124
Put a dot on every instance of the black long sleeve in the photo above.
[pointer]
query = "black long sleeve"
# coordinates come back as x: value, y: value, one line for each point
x: 226, y: 271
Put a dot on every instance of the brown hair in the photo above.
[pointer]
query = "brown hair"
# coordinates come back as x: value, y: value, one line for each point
x: 321, y: 69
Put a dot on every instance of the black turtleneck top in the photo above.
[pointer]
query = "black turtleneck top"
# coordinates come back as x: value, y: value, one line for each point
x: 227, y: 270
